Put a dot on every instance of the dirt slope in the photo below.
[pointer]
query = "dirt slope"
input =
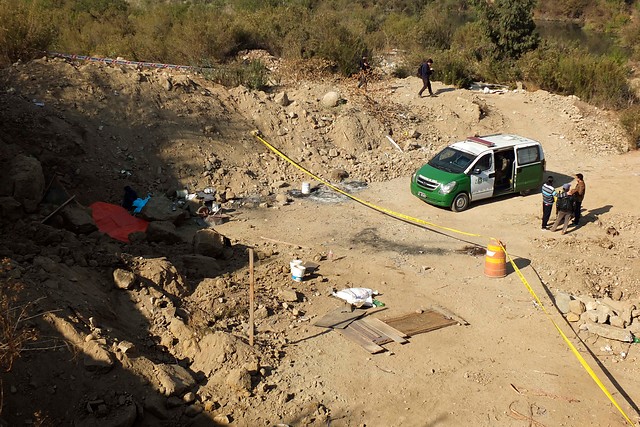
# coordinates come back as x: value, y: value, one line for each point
x: 171, y: 348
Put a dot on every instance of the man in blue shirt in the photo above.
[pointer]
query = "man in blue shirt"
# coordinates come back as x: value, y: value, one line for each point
x: 548, y: 193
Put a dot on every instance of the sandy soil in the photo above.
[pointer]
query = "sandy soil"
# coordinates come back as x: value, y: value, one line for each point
x: 509, y: 366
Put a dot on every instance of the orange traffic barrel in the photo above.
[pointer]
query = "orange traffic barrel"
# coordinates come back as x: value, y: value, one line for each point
x: 495, y: 261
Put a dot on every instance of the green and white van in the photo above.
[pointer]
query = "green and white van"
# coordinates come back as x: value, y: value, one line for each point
x: 479, y: 168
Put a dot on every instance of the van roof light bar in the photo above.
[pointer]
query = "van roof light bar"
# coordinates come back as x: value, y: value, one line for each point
x: 481, y: 141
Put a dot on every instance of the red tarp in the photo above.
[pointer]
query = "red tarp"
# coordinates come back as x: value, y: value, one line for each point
x: 116, y: 221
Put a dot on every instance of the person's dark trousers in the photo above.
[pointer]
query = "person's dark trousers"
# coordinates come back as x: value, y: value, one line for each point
x: 546, y: 213
x: 426, y: 84
x: 576, y: 213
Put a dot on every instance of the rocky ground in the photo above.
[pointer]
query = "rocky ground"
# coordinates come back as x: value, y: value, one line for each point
x: 156, y: 331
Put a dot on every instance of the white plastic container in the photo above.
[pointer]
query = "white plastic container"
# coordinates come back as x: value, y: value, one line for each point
x: 306, y: 188
x: 297, y: 270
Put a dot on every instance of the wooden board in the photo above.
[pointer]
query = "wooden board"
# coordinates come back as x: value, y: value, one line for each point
x: 340, y: 317
x: 387, y: 330
x: 369, y: 333
x: 448, y: 314
x: 356, y: 337
x: 418, y: 323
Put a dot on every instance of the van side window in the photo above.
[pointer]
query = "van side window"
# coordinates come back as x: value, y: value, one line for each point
x: 528, y: 155
x: 484, y: 163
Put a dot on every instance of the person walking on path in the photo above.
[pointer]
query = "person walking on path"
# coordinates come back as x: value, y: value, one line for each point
x: 578, y: 196
x: 565, y: 204
x: 425, y: 74
x: 364, y: 73
x: 548, y: 194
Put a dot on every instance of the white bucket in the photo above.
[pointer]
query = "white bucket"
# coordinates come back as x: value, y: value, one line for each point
x: 297, y: 272
x: 306, y: 188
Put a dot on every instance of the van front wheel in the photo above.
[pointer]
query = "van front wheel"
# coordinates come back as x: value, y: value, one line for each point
x: 460, y: 203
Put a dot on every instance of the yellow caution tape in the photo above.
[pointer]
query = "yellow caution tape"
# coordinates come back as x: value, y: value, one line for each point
x: 524, y: 281
x: 574, y: 350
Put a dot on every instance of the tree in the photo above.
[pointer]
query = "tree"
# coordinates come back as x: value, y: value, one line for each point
x: 509, y: 25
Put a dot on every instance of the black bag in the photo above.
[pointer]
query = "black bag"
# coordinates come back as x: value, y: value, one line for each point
x: 419, y: 73
x: 565, y: 203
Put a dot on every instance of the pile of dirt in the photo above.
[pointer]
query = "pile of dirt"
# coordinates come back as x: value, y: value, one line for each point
x: 155, y: 331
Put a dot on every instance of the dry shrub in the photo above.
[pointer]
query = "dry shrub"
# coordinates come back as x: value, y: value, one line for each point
x: 26, y: 30
x: 630, y: 120
x: 13, y: 331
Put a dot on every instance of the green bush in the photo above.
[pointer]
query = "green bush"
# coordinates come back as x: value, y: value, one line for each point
x: 509, y: 25
x: 631, y: 39
x: 336, y: 33
x: 595, y: 79
x: 434, y: 30
x: 630, y: 121
x: 252, y: 75
x: 95, y: 27
x: 453, y: 68
x: 393, y: 32
x: 471, y: 39
x: 330, y: 40
x: 26, y: 30
x: 403, y: 71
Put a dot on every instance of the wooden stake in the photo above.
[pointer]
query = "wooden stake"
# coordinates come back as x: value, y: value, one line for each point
x: 394, y: 143
x: 57, y: 209
x: 251, y: 289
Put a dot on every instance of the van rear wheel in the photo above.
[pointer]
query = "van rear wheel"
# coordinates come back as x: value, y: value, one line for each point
x: 460, y: 203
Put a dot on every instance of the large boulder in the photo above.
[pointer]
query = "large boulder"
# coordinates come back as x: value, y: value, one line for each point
x: 78, y: 219
x: 221, y: 350
x: 97, y: 358
x: 26, y: 182
x: 160, y: 208
x: 173, y: 379
x: 209, y: 243
x: 10, y: 209
x: 163, y: 232
x: 330, y: 99
x: 186, y: 344
x: 202, y: 265
x: 160, y: 273
x: 608, y: 331
x: 282, y: 99
x: 123, y: 279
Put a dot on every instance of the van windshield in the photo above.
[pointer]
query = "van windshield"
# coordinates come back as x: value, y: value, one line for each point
x: 452, y: 160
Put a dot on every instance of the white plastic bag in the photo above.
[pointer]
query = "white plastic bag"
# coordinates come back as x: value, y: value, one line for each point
x: 360, y: 297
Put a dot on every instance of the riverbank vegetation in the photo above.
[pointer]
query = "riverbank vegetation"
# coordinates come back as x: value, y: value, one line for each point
x: 470, y: 40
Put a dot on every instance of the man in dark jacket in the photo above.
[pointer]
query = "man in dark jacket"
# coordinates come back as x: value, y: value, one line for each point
x: 578, y: 195
x: 565, y: 205
x: 363, y: 77
x: 425, y: 73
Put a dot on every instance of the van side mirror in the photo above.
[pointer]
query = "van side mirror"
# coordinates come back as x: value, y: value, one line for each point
x: 476, y: 171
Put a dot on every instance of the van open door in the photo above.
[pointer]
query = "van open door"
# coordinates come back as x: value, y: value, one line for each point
x: 482, y: 176
x: 529, y: 168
